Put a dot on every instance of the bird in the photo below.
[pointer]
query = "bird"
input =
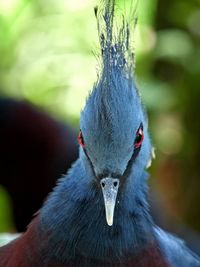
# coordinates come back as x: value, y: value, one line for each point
x: 39, y: 148
x: 98, y: 214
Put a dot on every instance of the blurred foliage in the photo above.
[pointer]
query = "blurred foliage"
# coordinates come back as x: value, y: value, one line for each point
x: 44, y: 52
x: 46, y: 57
x: 175, y: 62
x: 47, y: 52
x: 5, y: 214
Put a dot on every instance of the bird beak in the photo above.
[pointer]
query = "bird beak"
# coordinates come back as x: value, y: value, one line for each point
x: 109, y: 188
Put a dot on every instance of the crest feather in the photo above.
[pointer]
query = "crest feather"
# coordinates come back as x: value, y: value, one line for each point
x: 116, y: 36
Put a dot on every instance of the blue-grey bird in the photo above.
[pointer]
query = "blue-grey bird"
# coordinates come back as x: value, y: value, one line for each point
x: 98, y: 214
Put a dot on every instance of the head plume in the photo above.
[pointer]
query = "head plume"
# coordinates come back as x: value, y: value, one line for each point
x: 116, y: 37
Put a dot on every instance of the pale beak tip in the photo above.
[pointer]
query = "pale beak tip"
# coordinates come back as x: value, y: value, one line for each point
x: 109, y: 222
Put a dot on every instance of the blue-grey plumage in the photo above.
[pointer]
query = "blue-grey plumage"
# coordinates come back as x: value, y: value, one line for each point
x: 175, y: 250
x: 98, y: 214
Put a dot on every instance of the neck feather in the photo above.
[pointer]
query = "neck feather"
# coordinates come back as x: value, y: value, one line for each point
x: 73, y: 219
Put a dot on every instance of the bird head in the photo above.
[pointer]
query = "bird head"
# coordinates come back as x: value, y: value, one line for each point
x: 113, y: 127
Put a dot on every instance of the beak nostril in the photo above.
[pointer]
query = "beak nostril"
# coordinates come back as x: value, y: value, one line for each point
x: 115, y: 184
x: 103, y: 184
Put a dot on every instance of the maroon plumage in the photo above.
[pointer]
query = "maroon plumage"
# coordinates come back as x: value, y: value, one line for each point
x: 27, y: 251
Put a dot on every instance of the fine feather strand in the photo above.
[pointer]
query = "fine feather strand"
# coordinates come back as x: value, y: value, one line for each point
x: 116, y: 32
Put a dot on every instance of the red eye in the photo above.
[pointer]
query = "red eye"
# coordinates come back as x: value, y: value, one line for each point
x: 80, y: 139
x: 139, y: 137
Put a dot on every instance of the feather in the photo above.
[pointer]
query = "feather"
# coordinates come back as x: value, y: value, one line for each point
x: 116, y: 34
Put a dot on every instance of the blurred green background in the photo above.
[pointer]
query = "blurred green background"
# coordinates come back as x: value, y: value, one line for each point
x: 47, y: 56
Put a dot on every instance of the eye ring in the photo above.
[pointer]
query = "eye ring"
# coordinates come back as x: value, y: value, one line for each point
x: 139, y: 137
x: 80, y: 139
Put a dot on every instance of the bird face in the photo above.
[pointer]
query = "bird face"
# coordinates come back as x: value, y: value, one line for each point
x: 112, y: 135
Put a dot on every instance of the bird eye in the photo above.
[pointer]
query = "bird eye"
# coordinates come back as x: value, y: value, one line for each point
x: 80, y: 139
x: 139, y: 137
